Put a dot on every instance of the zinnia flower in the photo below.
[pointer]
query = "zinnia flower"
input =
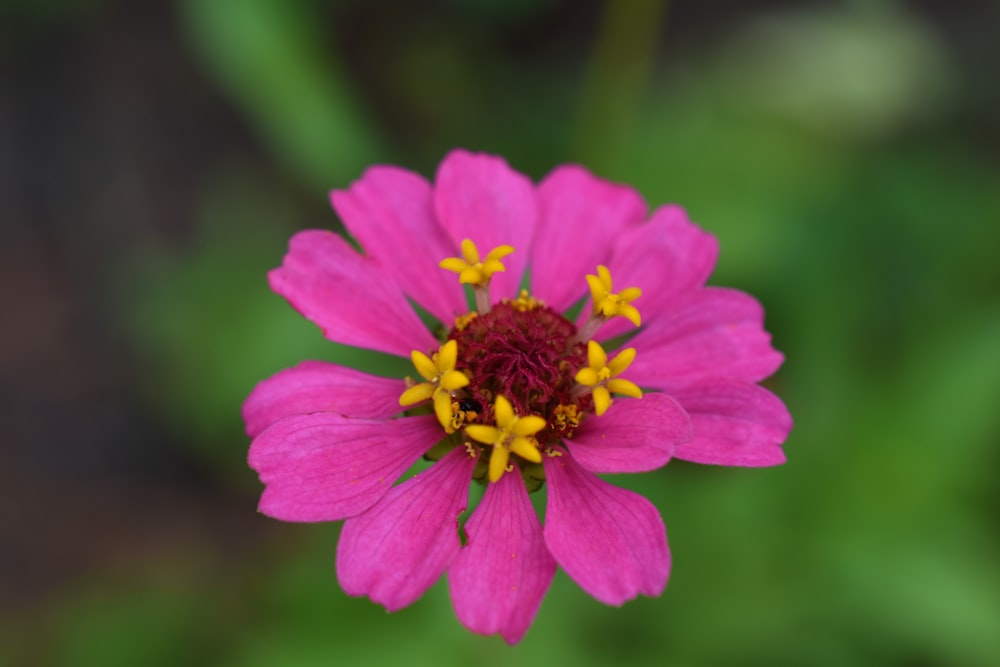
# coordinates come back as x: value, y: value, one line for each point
x: 514, y: 392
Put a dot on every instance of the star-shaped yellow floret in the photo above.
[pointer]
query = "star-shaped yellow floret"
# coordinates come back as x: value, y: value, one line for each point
x: 471, y: 269
x: 607, y: 302
x: 442, y: 379
x: 601, y: 376
x: 511, y: 434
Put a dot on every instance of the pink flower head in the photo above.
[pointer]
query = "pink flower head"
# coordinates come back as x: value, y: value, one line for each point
x: 514, y: 393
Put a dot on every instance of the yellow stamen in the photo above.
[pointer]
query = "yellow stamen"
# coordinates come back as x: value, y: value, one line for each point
x: 608, y: 303
x: 471, y: 269
x: 566, y: 419
x: 474, y: 271
x: 460, y: 417
x: 600, y: 377
x: 512, y: 434
x: 524, y: 302
x: 441, y: 379
x: 462, y: 321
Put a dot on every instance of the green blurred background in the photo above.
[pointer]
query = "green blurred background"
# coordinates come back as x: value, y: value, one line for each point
x: 156, y: 156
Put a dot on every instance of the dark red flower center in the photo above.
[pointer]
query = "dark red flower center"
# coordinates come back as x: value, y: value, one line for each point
x: 527, y: 353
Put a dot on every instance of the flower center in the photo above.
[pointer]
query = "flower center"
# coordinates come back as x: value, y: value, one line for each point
x: 525, y: 351
x: 522, y: 366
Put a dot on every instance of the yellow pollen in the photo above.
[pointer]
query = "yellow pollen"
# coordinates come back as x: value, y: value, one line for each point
x: 601, y: 376
x: 462, y: 321
x: 441, y: 379
x: 460, y: 417
x: 613, y: 304
x: 473, y: 270
x: 511, y: 435
x: 524, y: 302
x: 565, y: 419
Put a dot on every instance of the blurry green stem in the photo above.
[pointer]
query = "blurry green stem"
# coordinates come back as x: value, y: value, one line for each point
x: 619, y: 72
x: 270, y: 56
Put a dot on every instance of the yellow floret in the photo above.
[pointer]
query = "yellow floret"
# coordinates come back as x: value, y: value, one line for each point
x: 471, y: 269
x: 600, y: 376
x: 511, y: 434
x: 441, y: 379
x: 610, y: 304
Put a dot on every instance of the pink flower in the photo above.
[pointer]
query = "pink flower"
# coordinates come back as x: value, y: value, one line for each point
x: 511, y: 393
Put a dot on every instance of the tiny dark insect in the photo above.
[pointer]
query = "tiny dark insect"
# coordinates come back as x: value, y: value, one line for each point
x: 470, y: 405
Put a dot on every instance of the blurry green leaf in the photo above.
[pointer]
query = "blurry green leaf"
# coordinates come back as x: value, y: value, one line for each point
x: 269, y: 55
x: 838, y: 70
x: 146, y: 625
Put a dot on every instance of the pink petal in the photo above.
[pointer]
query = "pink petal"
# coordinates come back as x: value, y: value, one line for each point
x: 318, y: 386
x: 580, y: 217
x: 393, y: 552
x: 325, y: 466
x: 634, y: 435
x: 350, y: 297
x: 390, y: 212
x: 665, y: 257
x: 480, y: 197
x: 735, y: 424
x: 498, y: 580
x: 711, y: 332
x: 612, y: 542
